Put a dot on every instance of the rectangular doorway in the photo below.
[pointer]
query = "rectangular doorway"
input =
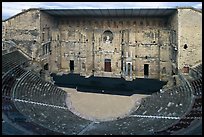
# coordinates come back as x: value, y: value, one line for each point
x: 71, y: 65
x: 107, y: 65
x: 146, y: 70
x: 128, y: 69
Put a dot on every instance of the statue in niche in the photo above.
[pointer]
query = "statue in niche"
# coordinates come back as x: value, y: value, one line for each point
x: 108, y: 37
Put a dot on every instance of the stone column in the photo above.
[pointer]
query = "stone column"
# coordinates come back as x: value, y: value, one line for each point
x: 123, y: 69
x: 126, y: 71
x: 130, y: 70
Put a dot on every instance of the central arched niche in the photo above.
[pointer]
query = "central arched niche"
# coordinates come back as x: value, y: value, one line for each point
x: 107, y: 36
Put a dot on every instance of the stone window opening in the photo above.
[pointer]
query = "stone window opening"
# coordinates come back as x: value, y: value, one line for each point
x: 79, y: 53
x: 44, y: 50
x: 185, y: 46
x: 145, y: 57
x: 43, y: 36
x: 173, y: 73
x: 46, y: 66
x: 163, y: 70
x: 34, y: 41
x: 186, y: 68
x: 48, y: 33
x: 116, y: 64
x: 83, y: 65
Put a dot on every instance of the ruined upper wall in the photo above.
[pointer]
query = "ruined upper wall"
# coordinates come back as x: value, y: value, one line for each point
x: 68, y: 26
x: 24, y: 29
x: 46, y: 26
x: 189, y: 37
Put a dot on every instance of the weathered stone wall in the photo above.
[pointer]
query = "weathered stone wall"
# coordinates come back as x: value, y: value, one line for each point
x: 189, y: 34
x: 47, y: 24
x: 55, y: 57
x: 173, y: 21
x: 24, y: 30
x: 83, y: 41
x: 127, y: 43
x: 3, y: 30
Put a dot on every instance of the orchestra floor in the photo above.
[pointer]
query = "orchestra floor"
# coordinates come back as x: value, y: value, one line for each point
x: 101, y: 107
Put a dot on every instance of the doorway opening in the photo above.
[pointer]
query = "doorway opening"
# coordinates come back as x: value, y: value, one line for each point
x: 107, y: 65
x: 129, y: 69
x: 146, y: 70
x: 46, y: 66
x: 186, y: 69
x: 71, y: 65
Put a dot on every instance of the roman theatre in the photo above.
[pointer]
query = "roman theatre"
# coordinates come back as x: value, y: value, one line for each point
x: 102, y: 71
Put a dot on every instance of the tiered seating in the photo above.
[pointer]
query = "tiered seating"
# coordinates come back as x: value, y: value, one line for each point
x: 173, y: 102
x: 53, y: 118
x: 184, y: 122
x: 20, y: 120
x: 8, y: 81
x: 33, y: 88
x: 196, y: 72
x: 129, y: 126
x: 197, y: 87
x: 199, y: 68
x: 9, y: 109
x: 39, y: 107
x: 11, y: 60
x: 195, y: 111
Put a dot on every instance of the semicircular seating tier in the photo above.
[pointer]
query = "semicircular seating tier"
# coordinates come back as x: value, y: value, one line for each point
x: 35, y: 106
